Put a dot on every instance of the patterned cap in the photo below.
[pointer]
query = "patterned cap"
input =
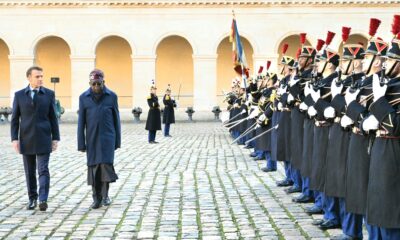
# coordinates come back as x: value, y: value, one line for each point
x: 394, y: 51
x: 96, y: 74
x: 330, y: 56
x: 353, y: 51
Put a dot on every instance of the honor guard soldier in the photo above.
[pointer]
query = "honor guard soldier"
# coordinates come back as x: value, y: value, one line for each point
x: 283, y: 131
x: 358, y: 100
x: 295, y: 97
x: 153, y: 123
x: 169, y: 113
x: 320, y: 92
x: 383, y: 194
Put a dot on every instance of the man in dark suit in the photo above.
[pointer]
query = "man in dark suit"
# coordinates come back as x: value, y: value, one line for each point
x: 35, y: 134
x: 99, y: 135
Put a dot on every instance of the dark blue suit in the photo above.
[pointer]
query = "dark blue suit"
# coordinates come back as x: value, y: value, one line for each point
x: 35, y: 125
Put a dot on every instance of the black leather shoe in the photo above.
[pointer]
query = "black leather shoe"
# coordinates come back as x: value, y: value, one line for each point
x: 292, y: 189
x: 318, y: 222
x: 258, y: 158
x: 253, y: 154
x: 314, y: 210
x: 329, y: 224
x: 265, y: 169
x: 106, y: 201
x: 95, y: 205
x: 43, y: 206
x: 284, y: 183
x: 31, y: 204
x: 168, y: 135
x: 302, y: 199
x: 155, y: 142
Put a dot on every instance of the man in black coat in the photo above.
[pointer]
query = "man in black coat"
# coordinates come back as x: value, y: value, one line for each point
x: 168, y: 114
x: 99, y: 135
x: 383, y: 195
x: 358, y: 101
x: 153, y: 122
x: 35, y: 134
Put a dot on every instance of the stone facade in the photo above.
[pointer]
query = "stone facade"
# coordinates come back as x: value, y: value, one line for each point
x: 133, y: 39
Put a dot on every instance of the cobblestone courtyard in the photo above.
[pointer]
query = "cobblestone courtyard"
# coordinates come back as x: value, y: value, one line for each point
x: 192, y: 186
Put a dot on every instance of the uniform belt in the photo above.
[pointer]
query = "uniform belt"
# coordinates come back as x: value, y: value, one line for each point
x: 285, y: 109
x: 337, y: 119
x: 297, y: 104
x: 321, y: 123
x: 385, y: 134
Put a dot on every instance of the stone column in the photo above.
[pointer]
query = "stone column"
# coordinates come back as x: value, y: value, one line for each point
x: 18, y: 67
x: 144, y: 70
x: 205, y: 82
x: 81, y: 66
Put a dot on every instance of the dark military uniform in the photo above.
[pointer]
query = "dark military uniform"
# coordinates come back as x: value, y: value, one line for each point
x: 383, y: 195
x: 169, y: 113
x: 153, y: 122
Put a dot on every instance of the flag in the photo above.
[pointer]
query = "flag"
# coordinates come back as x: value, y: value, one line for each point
x: 239, y: 58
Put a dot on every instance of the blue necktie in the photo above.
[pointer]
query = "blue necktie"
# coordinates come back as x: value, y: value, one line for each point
x: 35, y: 92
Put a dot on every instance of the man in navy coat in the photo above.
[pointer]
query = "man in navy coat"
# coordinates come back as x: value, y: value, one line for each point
x: 35, y: 134
x: 99, y: 135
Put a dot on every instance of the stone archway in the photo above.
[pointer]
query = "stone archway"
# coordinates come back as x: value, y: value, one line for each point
x: 174, y: 66
x: 114, y: 57
x: 53, y: 55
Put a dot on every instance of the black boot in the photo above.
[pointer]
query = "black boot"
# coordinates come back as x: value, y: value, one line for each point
x: 96, y: 198
x: 104, y: 193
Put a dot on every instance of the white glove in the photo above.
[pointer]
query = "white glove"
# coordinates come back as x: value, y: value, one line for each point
x: 236, y: 105
x: 378, y: 90
x: 290, y: 98
x: 303, y: 106
x: 371, y: 123
x: 254, y: 113
x: 315, y: 94
x: 176, y: 103
x: 335, y: 90
x: 281, y: 90
x: 311, y: 111
x: 349, y: 97
x: 293, y: 81
x: 257, y: 126
x: 329, y: 112
x: 307, y: 90
x: 280, y: 106
x: 262, y: 117
x: 346, y: 121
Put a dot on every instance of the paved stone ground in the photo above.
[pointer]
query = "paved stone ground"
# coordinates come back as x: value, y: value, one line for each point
x: 192, y: 186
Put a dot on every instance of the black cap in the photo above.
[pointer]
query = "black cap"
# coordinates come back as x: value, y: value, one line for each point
x: 330, y: 56
x: 377, y: 47
x: 308, y: 51
x: 394, y: 51
x: 353, y: 51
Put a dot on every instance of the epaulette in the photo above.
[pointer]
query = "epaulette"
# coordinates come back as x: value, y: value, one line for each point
x: 149, y: 97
